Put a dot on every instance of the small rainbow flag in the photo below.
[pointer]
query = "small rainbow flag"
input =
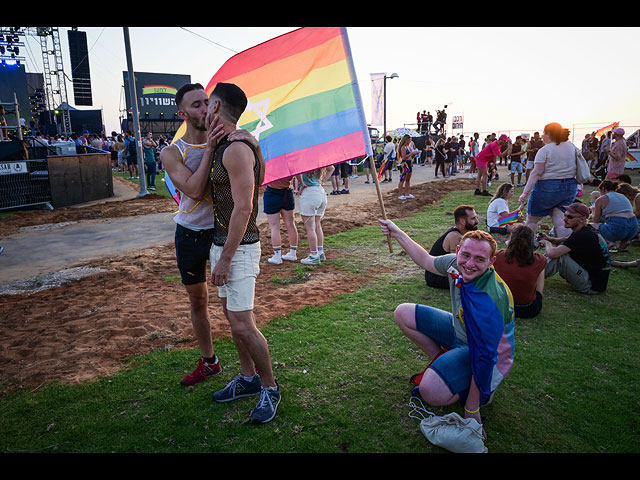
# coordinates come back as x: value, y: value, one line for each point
x: 304, y: 102
x: 604, y: 130
x: 631, y: 158
x: 508, y: 218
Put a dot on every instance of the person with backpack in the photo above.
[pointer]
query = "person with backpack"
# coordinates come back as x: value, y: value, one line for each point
x: 131, y: 154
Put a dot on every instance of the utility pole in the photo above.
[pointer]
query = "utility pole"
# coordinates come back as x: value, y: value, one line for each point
x: 134, y: 113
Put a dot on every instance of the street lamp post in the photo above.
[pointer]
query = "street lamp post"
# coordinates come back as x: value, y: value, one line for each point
x: 393, y: 75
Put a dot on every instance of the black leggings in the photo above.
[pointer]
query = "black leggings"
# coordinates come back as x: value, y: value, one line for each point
x: 440, y: 165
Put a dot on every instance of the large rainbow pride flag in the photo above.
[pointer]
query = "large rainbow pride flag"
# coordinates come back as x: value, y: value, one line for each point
x: 604, y: 130
x: 304, y: 102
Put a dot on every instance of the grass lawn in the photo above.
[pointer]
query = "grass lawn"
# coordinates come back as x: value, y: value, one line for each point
x: 344, y: 369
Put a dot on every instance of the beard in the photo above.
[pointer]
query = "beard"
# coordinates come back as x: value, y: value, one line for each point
x: 470, y: 227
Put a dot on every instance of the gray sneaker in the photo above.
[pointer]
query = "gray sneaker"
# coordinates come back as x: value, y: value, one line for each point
x: 267, y: 406
x: 238, y: 388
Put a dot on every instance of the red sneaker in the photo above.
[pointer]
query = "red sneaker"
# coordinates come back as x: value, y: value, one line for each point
x: 203, y: 371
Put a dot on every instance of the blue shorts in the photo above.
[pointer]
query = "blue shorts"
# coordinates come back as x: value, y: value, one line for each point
x: 550, y: 194
x: 516, y: 167
x: 276, y: 199
x: 619, y: 228
x: 454, y: 366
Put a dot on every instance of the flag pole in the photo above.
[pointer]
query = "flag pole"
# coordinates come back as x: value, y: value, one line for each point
x: 384, y: 212
x: 365, y: 130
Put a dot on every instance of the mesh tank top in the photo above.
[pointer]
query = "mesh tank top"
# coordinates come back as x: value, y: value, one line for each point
x: 223, y: 201
x: 193, y: 214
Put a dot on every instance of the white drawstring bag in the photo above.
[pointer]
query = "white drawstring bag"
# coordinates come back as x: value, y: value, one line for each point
x: 450, y: 431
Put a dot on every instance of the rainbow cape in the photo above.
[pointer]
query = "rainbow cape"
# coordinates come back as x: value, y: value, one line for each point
x: 304, y: 102
x: 489, y: 319
x: 508, y: 218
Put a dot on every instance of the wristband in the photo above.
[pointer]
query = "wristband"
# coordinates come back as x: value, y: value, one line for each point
x: 469, y: 411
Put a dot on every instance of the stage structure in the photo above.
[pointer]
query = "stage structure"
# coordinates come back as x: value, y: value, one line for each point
x: 157, y: 110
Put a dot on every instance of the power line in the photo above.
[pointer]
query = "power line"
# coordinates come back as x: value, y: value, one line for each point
x: 208, y: 40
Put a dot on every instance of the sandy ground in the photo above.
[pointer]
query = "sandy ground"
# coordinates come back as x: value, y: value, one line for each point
x: 134, y: 303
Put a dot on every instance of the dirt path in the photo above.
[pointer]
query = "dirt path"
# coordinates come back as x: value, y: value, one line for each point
x: 135, y: 302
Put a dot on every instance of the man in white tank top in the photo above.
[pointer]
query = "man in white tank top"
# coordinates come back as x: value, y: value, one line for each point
x: 187, y: 162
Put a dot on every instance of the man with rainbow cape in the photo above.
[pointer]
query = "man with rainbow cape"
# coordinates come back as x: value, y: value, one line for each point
x: 472, y: 348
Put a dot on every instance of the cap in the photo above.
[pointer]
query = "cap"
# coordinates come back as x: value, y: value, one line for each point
x: 619, y: 131
x: 579, y: 208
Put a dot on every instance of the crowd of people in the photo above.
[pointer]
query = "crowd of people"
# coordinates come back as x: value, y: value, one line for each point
x: 471, y: 347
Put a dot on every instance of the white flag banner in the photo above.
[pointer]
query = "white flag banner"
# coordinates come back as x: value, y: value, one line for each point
x: 377, y: 99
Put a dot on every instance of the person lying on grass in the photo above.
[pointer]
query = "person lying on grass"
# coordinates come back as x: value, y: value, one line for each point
x: 472, y: 347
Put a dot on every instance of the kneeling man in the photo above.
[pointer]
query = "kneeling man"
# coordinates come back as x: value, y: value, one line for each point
x: 472, y: 347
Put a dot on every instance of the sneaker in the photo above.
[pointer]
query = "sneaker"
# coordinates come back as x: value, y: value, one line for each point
x: 344, y: 191
x: 402, y: 197
x: 276, y: 260
x: 203, y: 371
x: 485, y: 193
x: 322, y: 256
x: 291, y: 256
x: 477, y: 192
x: 152, y: 187
x: 410, y: 196
x: 267, y: 406
x: 311, y: 260
x: 238, y: 388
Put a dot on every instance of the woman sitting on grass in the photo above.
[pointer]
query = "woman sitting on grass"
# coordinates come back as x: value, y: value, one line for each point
x: 498, y: 207
x: 523, y: 271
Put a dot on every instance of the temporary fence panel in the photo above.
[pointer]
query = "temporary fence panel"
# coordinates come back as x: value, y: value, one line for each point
x: 24, y: 183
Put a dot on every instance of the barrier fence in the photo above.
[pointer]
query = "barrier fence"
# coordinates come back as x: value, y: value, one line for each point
x: 24, y: 183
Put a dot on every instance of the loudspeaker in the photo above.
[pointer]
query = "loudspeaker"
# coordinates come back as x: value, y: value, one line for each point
x: 80, y: 74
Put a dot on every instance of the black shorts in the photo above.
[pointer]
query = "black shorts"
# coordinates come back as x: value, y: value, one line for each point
x: 132, y: 160
x: 192, y: 253
x: 276, y: 199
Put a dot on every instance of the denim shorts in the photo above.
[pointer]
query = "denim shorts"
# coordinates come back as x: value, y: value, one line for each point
x: 454, y: 366
x: 192, y: 253
x: 550, y: 194
x: 313, y: 201
x: 516, y: 167
x: 619, y: 228
x: 276, y: 199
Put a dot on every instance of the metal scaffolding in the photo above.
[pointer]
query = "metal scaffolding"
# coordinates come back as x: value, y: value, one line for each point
x: 54, y: 78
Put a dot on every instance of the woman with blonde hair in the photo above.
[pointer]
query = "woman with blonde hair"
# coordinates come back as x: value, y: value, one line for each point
x: 405, y: 165
x: 312, y: 204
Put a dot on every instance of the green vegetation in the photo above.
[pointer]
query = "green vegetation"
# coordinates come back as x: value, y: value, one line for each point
x: 344, y: 370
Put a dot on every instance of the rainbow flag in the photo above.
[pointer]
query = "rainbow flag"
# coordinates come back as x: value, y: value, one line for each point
x: 508, y: 218
x: 608, y: 128
x: 631, y: 158
x: 489, y: 319
x: 304, y: 102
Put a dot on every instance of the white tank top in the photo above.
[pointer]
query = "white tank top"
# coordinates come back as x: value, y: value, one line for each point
x: 194, y: 214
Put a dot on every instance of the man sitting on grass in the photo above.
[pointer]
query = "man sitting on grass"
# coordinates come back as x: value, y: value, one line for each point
x: 582, y: 258
x: 472, y: 348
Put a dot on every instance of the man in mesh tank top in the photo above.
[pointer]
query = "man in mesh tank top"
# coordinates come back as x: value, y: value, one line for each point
x: 236, y: 174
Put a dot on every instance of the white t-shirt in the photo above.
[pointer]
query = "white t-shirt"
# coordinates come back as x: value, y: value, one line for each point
x: 389, y: 148
x: 559, y: 160
x: 496, y: 207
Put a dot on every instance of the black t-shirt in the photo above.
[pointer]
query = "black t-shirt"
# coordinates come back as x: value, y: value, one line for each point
x: 590, y: 251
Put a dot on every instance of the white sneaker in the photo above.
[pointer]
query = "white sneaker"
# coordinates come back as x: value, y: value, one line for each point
x: 291, y: 256
x: 311, y: 260
x: 276, y: 260
x: 402, y: 197
x: 410, y: 196
x: 322, y: 256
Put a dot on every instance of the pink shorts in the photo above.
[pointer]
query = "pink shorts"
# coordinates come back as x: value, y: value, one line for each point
x: 482, y: 164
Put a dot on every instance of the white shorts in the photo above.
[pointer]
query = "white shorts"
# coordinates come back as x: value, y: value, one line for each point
x: 241, y: 286
x: 313, y: 201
